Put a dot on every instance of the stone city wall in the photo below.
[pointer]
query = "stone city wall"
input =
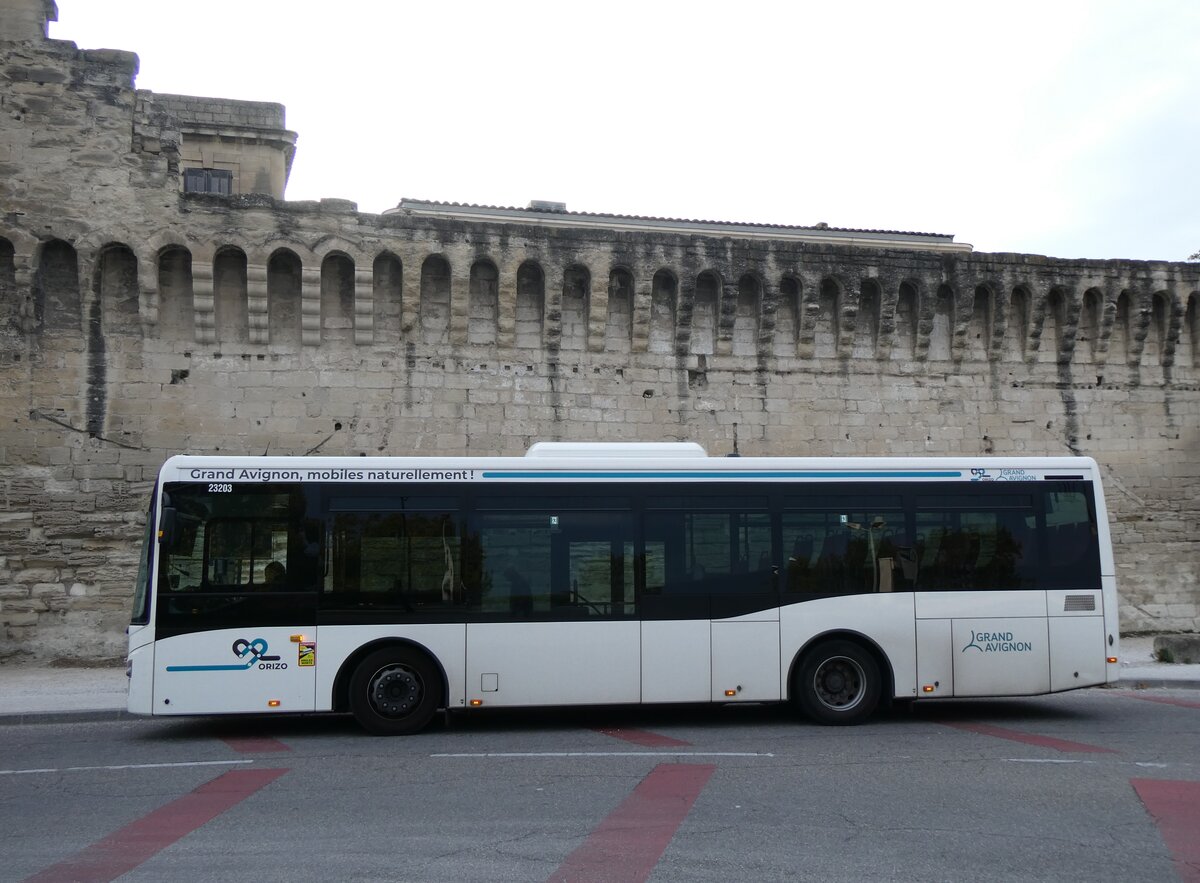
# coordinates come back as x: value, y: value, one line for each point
x: 137, y: 322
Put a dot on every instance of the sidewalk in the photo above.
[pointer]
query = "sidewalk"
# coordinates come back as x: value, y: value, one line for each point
x: 1140, y: 670
x: 31, y: 694
x: 35, y: 694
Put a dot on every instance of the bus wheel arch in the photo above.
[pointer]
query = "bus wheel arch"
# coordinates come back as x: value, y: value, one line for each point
x: 391, y: 686
x: 840, y: 678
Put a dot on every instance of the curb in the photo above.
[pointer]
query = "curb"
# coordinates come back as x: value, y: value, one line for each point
x: 19, y: 718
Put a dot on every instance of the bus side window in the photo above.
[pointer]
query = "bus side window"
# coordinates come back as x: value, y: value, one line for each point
x: 241, y: 552
x: 698, y: 553
x: 845, y: 552
x: 593, y: 574
x: 976, y: 542
x: 515, y: 562
x: 1072, y: 552
x: 405, y: 560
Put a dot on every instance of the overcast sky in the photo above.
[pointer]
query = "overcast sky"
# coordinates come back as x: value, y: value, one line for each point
x: 1069, y: 129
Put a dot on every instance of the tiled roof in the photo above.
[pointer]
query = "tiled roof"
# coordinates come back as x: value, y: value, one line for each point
x: 408, y: 203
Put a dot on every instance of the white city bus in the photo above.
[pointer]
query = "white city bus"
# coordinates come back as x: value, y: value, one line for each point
x: 588, y: 574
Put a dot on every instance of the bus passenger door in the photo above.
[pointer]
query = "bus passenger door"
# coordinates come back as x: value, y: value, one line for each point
x: 710, y: 607
x: 235, y: 615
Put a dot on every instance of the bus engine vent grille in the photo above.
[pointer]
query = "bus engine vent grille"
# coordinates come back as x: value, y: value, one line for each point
x: 1079, y: 602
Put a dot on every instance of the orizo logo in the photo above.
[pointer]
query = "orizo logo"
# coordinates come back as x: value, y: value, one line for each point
x: 996, y: 642
x: 250, y: 653
x: 256, y: 650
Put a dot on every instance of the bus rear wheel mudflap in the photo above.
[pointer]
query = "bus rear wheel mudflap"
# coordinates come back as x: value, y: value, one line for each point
x: 395, y: 691
x: 838, y: 682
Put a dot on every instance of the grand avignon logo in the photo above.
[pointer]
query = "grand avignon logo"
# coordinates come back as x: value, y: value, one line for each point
x: 996, y: 642
x: 249, y: 653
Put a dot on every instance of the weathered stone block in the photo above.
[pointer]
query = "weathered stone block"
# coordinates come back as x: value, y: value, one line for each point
x: 1178, y: 648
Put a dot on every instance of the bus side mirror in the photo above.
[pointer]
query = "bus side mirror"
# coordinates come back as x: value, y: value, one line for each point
x: 166, y: 527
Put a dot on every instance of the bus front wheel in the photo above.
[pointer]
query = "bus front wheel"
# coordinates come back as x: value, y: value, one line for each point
x: 838, y: 682
x: 395, y: 691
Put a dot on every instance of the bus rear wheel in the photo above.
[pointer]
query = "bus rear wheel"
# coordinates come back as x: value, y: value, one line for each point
x: 395, y: 691
x: 838, y: 683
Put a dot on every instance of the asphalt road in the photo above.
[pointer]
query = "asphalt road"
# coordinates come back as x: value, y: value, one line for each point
x: 1094, y: 785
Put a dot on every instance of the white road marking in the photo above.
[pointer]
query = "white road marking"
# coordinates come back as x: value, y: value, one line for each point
x: 1140, y: 763
x: 609, y: 754
x: 126, y: 766
x: 1043, y: 760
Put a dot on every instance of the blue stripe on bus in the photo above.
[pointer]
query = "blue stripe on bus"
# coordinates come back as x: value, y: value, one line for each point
x: 700, y: 473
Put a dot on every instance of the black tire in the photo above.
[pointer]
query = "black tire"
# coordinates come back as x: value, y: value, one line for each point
x: 395, y: 691
x: 837, y: 683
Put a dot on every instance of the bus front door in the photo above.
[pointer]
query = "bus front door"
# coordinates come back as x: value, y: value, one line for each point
x: 219, y: 656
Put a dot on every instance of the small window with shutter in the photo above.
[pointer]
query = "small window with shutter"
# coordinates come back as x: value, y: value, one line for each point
x: 218, y: 181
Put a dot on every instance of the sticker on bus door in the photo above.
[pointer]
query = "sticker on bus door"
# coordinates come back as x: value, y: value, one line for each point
x: 307, y: 653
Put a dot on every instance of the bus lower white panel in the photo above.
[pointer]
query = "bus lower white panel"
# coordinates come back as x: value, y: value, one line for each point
x: 1077, y: 655
x: 935, y: 658
x: 1000, y: 657
x: 233, y: 670
x: 885, y: 619
x: 554, y: 663
x: 445, y: 642
x: 745, y: 659
x: 676, y: 660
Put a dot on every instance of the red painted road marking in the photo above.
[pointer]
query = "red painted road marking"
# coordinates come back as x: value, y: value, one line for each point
x: 254, y: 744
x: 125, y: 849
x: 629, y: 842
x: 642, y: 737
x: 1029, y: 738
x: 1182, y: 703
x: 1175, y: 808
